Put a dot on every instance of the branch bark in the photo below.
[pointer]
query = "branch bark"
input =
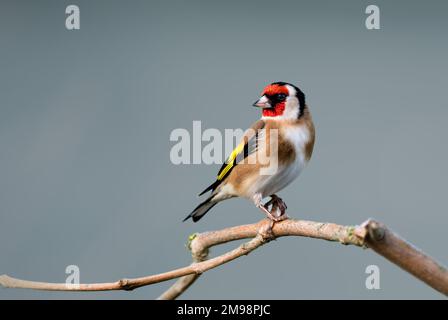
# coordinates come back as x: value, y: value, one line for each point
x: 370, y: 234
x: 411, y: 259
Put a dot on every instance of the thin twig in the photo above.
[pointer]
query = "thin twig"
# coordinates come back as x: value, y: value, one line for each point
x: 370, y: 233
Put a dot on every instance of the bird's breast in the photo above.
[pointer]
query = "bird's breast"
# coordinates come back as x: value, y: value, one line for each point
x: 292, y: 148
x: 298, y: 136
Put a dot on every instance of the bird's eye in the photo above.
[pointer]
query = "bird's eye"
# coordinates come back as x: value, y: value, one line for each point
x: 281, y: 96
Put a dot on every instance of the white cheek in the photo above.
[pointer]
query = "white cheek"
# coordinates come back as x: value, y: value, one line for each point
x: 291, y: 109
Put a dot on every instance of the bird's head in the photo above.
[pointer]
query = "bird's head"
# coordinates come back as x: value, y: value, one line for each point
x: 281, y: 100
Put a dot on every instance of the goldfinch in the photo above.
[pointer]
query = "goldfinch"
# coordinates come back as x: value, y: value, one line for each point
x: 285, y: 113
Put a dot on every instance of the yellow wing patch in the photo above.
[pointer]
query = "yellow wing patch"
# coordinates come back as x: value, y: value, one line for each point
x: 231, y: 160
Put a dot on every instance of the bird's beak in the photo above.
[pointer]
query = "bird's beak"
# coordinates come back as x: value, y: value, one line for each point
x: 263, y: 103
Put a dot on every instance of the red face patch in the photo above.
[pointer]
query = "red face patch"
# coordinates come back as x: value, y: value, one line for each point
x: 271, y: 91
x: 274, y: 89
x: 276, y: 111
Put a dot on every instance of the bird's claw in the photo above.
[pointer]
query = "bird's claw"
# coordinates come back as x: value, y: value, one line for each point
x: 278, y: 208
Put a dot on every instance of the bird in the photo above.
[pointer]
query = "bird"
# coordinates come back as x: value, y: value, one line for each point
x: 286, y: 127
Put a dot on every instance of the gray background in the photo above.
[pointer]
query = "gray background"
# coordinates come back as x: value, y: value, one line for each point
x: 85, y: 119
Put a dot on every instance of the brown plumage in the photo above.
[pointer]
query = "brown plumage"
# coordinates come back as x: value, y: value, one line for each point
x: 282, y: 140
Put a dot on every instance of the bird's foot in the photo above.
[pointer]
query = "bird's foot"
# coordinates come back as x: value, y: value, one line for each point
x: 275, y: 214
x: 267, y: 212
x: 278, y: 208
x: 267, y: 232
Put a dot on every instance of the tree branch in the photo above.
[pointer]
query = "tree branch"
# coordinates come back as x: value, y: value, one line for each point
x: 371, y: 234
x: 405, y: 255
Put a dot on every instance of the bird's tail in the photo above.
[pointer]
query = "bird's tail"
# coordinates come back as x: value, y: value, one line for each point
x: 202, y: 209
